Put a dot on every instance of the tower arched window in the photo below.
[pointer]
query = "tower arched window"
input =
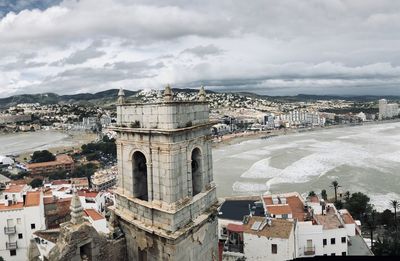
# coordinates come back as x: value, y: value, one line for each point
x: 139, y: 167
x: 197, y: 171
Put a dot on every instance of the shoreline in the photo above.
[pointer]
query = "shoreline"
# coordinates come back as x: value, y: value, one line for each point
x: 72, y: 140
x: 232, y: 139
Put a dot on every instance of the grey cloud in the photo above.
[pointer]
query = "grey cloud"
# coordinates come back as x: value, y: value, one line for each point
x: 135, y: 66
x: 282, y: 45
x: 20, y: 64
x: 203, y: 51
x: 81, y: 56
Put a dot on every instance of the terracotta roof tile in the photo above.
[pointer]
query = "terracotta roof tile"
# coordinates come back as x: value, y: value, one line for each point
x: 32, y: 199
x: 93, y: 214
x: 60, y: 182
x: 295, y: 203
x: 14, y: 188
x: 235, y: 227
x: 279, y: 209
x: 347, y: 218
x: 19, y: 205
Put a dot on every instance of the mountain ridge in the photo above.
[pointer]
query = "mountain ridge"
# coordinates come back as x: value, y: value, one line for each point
x: 112, y: 94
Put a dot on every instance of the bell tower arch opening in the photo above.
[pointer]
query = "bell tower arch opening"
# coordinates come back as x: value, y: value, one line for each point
x: 139, y: 167
x: 197, y: 171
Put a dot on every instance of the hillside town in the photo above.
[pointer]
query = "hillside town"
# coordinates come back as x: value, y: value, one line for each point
x: 235, y: 112
x: 43, y: 195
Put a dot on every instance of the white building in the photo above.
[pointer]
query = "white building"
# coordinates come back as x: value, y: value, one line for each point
x: 19, y: 219
x: 104, y: 179
x: 98, y: 221
x: 362, y: 116
x: 318, y: 229
x: 268, y: 241
x: 6, y: 160
x: 387, y: 110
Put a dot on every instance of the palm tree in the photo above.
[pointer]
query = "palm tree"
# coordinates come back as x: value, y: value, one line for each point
x: 335, y: 186
x: 395, y: 204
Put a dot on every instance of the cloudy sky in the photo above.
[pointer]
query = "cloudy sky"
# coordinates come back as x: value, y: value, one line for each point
x: 279, y: 47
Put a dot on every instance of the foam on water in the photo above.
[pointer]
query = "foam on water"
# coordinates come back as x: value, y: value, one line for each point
x: 382, y: 201
x: 373, y: 150
x: 248, y: 187
x: 261, y: 169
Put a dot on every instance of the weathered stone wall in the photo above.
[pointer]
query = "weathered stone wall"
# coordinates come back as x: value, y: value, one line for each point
x: 172, y: 115
x: 199, y: 244
x: 168, y: 165
x: 72, y: 237
x: 167, y: 220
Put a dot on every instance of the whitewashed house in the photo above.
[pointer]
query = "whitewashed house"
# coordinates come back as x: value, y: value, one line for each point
x: 21, y: 214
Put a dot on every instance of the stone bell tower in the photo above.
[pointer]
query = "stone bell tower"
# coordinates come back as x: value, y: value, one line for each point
x: 166, y: 198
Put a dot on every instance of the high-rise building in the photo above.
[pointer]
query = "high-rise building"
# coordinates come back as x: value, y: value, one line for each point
x: 387, y: 110
x: 166, y: 199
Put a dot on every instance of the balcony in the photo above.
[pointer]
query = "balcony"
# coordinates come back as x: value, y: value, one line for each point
x: 309, y: 251
x: 11, y: 245
x: 10, y: 230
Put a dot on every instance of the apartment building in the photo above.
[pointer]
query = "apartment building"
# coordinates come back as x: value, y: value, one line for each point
x: 62, y: 162
x: 104, y: 179
x: 21, y: 214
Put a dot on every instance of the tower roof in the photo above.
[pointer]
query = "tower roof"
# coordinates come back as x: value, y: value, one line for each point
x: 76, y: 209
x: 121, y: 92
x: 168, y: 96
x: 202, y: 94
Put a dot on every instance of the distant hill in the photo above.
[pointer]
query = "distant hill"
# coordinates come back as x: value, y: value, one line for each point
x: 52, y: 98
x: 109, y: 97
x: 104, y: 97
x: 311, y: 97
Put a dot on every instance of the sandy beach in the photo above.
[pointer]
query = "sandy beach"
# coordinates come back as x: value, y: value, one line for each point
x: 23, y: 144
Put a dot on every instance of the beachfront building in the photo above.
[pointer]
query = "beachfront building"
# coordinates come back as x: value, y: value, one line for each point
x: 271, y: 239
x: 63, y: 162
x: 21, y: 214
x: 318, y: 229
x: 104, y: 179
x: 387, y: 110
x: 297, y: 118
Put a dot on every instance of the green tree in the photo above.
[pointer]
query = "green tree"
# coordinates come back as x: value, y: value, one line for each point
x: 335, y: 186
x: 386, y: 217
x: 338, y: 204
x: 36, y: 183
x: 60, y: 174
x: 388, y: 246
x: 324, y: 195
x: 358, y: 204
x: 311, y: 194
x: 42, y: 156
